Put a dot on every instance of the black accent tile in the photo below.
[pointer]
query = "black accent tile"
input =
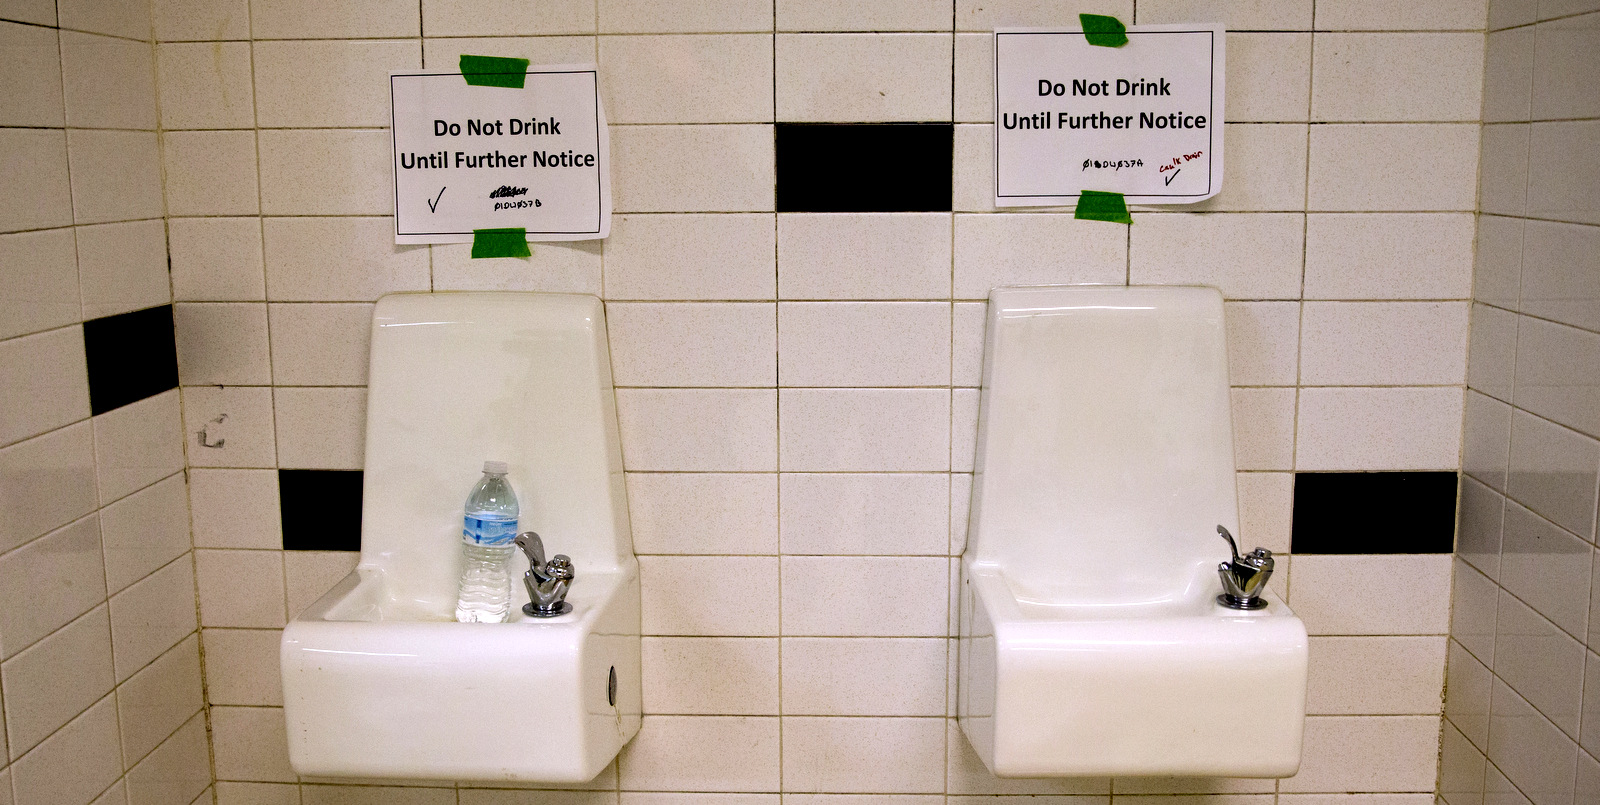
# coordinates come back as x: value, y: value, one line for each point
x: 130, y: 356
x: 864, y: 167
x: 1374, y: 512
x: 321, y: 509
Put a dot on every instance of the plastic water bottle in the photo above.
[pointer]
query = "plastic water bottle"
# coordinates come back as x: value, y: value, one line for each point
x: 487, y: 541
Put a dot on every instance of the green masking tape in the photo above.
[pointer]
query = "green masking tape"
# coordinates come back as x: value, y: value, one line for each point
x: 508, y: 242
x: 494, y: 71
x: 1092, y: 206
x: 1100, y: 30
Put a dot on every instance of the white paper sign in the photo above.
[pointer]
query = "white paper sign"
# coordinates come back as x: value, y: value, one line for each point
x: 1143, y: 120
x: 481, y: 157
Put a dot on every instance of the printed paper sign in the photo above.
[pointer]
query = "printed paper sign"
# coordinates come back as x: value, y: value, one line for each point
x: 1143, y: 120
x: 492, y: 157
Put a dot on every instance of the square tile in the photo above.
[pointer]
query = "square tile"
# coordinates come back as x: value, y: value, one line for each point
x: 216, y: 259
x: 43, y: 384
x: 703, y: 513
x: 1554, y: 373
x: 1508, y: 75
x: 1367, y: 15
x: 1564, y: 52
x: 1553, y: 471
x: 1532, y: 752
x: 178, y: 770
x: 159, y: 699
x: 235, y: 508
x: 242, y: 667
x: 1467, y: 707
x: 320, y: 428
x: 716, y: 78
x: 125, y: 18
x: 903, y: 514
x: 32, y: 57
x: 693, y: 344
x: 308, y: 19
x: 369, y: 263
x: 211, y: 173
x: 692, y: 256
x: 863, y: 77
x: 1481, y: 527
x: 144, y: 531
x: 222, y: 344
x: 1271, y: 15
x: 309, y: 575
x: 864, y: 430
x: 34, y: 188
x: 240, y: 588
x: 1504, y: 175
x: 188, y: 20
x: 1472, y: 617
x: 982, y: 15
x: 1561, y: 273
x: 1356, y: 753
x: 205, y: 85
x: 137, y: 445
x: 50, y: 481
x: 108, y: 83
x: 229, y: 427
x: 38, y: 282
x: 151, y: 616
x: 900, y: 15
x: 116, y: 175
x: 48, y: 583
x: 74, y: 764
x: 1264, y: 436
x: 1540, y: 662
x: 326, y: 172
x: 1547, y: 568
x: 250, y: 743
x: 57, y: 678
x: 1263, y: 343
x: 447, y: 53
x: 1561, y: 180
x: 864, y: 256
x: 1269, y: 76
x: 328, y: 84
x: 320, y: 344
x: 122, y: 267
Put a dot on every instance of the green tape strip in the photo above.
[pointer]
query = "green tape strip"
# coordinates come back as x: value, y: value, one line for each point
x: 494, y: 71
x: 1094, y: 205
x: 508, y: 242
x: 1101, y: 31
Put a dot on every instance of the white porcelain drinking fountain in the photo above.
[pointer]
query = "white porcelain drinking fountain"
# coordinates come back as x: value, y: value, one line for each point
x: 378, y: 678
x: 1096, y: 635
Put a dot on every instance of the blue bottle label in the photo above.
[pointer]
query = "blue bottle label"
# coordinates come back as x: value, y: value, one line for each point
x: 480, y: 531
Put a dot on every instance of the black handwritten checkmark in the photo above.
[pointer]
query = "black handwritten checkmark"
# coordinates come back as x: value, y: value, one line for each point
x: 1169, y: 176
x: 433, y: 206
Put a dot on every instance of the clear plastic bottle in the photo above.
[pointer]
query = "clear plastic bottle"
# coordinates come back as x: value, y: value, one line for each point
x: 487, y: 541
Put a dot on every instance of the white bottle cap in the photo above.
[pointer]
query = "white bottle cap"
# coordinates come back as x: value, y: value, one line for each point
x: 496, y: 467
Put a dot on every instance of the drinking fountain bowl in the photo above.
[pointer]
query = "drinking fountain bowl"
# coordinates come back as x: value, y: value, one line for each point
x: 378, y: 678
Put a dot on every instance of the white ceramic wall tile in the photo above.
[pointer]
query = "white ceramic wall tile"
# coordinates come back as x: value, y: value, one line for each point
x: 1508, y: 75
x: 660, y: 169
x: 308, y: 19
x: 151, y: 616
x: 864, y: 430
x: 1383, y: 343
x: 693, y: 344
x: 326, y: 172
x: 1246, y: 256
x: 1268, y: 169
x: 708, y: 78
x: 974, y: 78
x: 446, y: 53
x: 1397, y: 256
x: 1540, y: 662
x: 144, y: 531
x: 242, y: 667
x: 1250, y: 15
x: 863, y: 77
x: 1561, y: 180
x: 963, y: 429
x: 698, y: 430
x: 222, y: 344
x: 503, y: 17
x: 900, y: 15
x: 1263, y: 341
x: 1503, y: 173
x: 679, y: 798
x: 1266, y: 509
x: 122, y: 267
x: 1406, y: 428
x: 1550, y: 9
x: 1467, y: 707
x: 250, y: 743
x: 695, y: 753
x: 1491, y: 351
x: 320, y: 428
x: 308, y: 575
x: 1268, y: 77
x: 108, y: 83
x: 1375, y: 15
x: 1347, y: 753
x: 31, y: 56
x: 235, y: 508
x: 1553, y: 471
x: 74, y: 764
x: 205, y: 86
x: 1035, y: 249
x: 552, y: 268
x: 1341, y: 679
x: 38, y: 282
x: 176, y: 771
x: 864, y: 343
x: 237, y: 423
x: 683, y: 16
x: 189, y: 20
x: 690, y: 257
x: 724, y: 676
x: 1263, y: 435
x: 1497, y: 275
x: 137, y: 445
x: 842, y: 754
x: 257, y: 794
x: 893, y: 596
x: 1397, y: 77
x: 56, y: 679
x: 240, y: 588
x: 966, y: 348
x: 211, y: 172
x: 1561, y: 273
x: 865, y: 514
x: 53, y: 479
x: 43, y: 383
x: 986, y: 15
x: 216, y: 259
x: 703, y: 513
x: 328, y: 84
x: 1555, y: 373
x: 125, y: 18
x: 1328, y: 589
x: 1473, y: 611
x: 116, y: 175
x: 34, y: 191
x: 864, y: 256
x: 711, y: 596
x: 320, y: 344
x: 1479, y: 532
x: 1532, y: 752
x: 1565, y: 52
x: 1400, y: 167
x: 1486, y: 442
x: 972, y: 187
x: 42, y: 12
x: 49, y: 582
x: 864, y: 676
x: 1547, y: 568
x: 159, y: 699
x: 366, y: 263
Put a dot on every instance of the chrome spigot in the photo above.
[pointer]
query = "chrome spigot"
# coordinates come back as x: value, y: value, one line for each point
x: 1244, y: 579
x: 547, y: 582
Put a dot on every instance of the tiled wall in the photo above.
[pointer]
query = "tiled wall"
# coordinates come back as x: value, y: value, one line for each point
x: 797, y: 391
x: 1524, y: 675
x: 99, y: 651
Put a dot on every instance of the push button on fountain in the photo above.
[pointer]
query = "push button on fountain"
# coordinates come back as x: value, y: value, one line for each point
x: 1244, y: 578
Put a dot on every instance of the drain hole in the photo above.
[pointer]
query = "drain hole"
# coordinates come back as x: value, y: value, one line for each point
x: 611, y: 688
